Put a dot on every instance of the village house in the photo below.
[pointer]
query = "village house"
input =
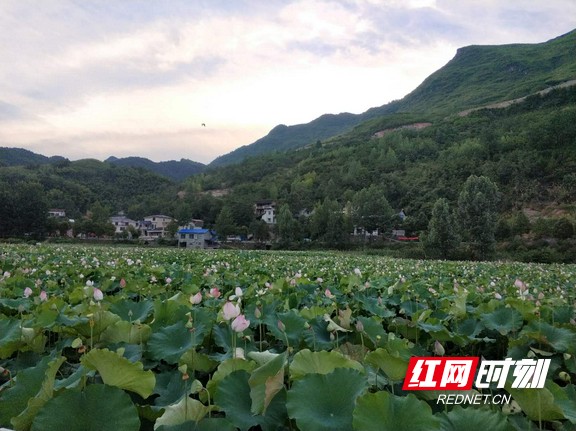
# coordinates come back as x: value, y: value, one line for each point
x: 154, y: 226
x: 121, y: 223
x: 266, y: 210
x: 196, y: 238
x: 56, y: 213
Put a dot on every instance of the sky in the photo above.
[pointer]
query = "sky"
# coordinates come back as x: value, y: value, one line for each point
x: 195, y: 79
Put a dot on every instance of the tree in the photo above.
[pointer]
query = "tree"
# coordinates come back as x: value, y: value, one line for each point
x: 520, y: 224
x: 286, y: 224
x: 371, y: 210
x: 442, y: 239
x: 260, y: 230
x: 563, y: 228
x: 23, y: 211
x: 225, y: 223
x: 477, y: 215
x: 327, y: 224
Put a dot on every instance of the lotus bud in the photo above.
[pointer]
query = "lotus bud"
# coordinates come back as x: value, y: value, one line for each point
x: 439, y: 348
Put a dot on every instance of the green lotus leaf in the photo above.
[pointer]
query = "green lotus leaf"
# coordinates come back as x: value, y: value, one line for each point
x: 504, y: 320
x: 15, y: 304
x: 566, y: 399
x: 120, y: 372
x: 33, y: 388
x: 206, y: 424
x: 265, y: 382
x: 373, y: 306
x: 126, y: 332
x: 97, y: 408
x: 227, y: 367
x: 262, y: 358
x: 170, y: 343
x: 474, y: 419
x: 170, y: 387
x: 325, y: 402
x: 9, y: 337
x: 322, y: 362
x: 24, y: 419
x: 538, y: 404
x: 187, y: 409
x: 102, y: 320
x: 233, y: 397
x: 372, y: 327
x: 317, y: 337
x: 167, y: 313
x: 393, y: 365
x: 468, y: 328
x: 383, y: 411
x: 131, y: 311
x: 197, y: 361
x: 526, y: 308
x: 561, y: 339
x: 293, y: 324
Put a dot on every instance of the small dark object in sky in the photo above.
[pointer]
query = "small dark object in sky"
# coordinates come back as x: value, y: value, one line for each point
x: 203, y: 124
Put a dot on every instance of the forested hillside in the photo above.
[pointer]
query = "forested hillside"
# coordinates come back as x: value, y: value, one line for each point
x: 527, y: 149
x: 476, y: 76
x: 79, y: 188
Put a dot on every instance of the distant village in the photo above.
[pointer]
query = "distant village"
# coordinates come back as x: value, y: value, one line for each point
x: 193, y: 234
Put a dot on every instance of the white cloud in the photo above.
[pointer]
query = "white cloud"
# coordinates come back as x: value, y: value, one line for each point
x: 119, y: 76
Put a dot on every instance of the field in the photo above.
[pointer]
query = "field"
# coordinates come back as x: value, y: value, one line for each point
x: 126, y: 339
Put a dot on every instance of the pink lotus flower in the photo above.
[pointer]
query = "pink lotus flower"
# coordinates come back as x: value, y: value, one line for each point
x: 230, y: 311
x: 520, y: 285
x: 215, y: 292
x: 240, y: 323
x: 98, y: 295
x: 196, y: 299
x: 43, y: 296
x: 328, y: 294
x: 27, y: 292
x: 122, y: 283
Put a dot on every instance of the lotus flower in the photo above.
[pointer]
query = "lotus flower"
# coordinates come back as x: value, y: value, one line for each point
x: 358, y: 272
x: 196, y: 299
x: 240, y: 323
x: 237, y: 294
x: 439, y: 348
x: 214, y: 292
x: 98, y: 295
x: 328, y: 294
x: 230, y: 311
x: 122, y: 283
x: 43, y: 296
x: 27, y: 292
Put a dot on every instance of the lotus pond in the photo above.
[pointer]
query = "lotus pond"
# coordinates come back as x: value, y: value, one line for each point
x: 97, y: 338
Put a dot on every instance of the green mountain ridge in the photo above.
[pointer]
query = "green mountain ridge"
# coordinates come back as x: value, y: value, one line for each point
x: 477, y: 75
x: 176, y: 170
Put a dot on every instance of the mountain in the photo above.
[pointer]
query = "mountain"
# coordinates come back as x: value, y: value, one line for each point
x: 22, y: 157
x: 175, y: 170
x: 476, y: 76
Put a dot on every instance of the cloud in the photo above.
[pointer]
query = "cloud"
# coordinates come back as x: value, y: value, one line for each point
x: 119, y: 77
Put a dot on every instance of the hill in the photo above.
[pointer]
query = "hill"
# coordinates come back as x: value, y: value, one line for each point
x: 22, y: 157
x: 175, y: 170
x: 476, y: 76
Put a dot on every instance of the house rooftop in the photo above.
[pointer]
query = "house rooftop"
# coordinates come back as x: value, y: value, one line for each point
x: 194, y: 231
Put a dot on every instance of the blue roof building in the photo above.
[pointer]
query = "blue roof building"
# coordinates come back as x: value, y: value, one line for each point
x: 196, y: 238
